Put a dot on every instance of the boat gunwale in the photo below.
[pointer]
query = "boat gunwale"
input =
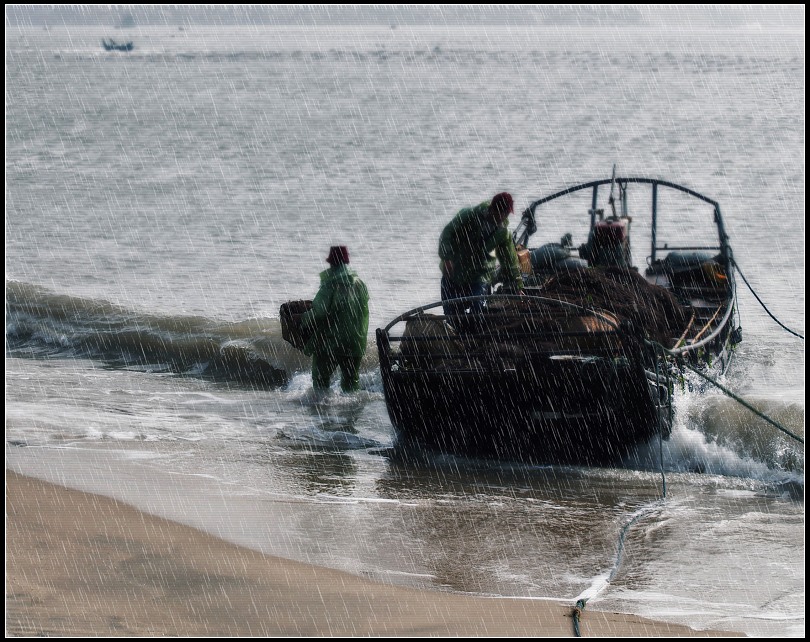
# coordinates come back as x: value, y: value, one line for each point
x: 728, y: 302
x: 405, y: 316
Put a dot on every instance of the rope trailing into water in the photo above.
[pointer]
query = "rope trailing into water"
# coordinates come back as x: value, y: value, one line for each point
x: 764, y: 307
x: 580, y: 604
x: 741, y: 401
x: 579, y: 607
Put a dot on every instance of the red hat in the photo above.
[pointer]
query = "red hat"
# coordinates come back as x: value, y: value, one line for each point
x: 338, y: 254
x: 502, y: 205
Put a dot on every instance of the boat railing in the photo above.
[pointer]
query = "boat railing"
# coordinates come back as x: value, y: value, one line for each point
x: 495, y: 334
x: 472, y: 337
x: 503, y: 297
x: 689, y: 248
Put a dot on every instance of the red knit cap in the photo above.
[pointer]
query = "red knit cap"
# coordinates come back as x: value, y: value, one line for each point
x: 502, y: 205
x: 338, y: 254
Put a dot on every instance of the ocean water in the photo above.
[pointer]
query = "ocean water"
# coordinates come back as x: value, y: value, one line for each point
x: 162, y: 204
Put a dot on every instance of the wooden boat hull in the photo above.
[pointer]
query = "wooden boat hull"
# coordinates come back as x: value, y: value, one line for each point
x: 566, y: 411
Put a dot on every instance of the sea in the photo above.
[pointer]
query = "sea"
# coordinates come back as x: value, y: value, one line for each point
x: 163, y: 203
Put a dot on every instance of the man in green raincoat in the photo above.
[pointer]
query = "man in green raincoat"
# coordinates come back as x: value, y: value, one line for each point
x: 337, y: 324
x: 468, y: 249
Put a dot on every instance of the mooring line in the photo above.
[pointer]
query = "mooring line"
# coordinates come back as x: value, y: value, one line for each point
x: 583, y: 598
x: 743, y: 402
x: 590, y: 593
x: 764, y: 307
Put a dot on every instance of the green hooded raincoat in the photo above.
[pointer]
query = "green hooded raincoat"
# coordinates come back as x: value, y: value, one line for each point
x: 338, y: 320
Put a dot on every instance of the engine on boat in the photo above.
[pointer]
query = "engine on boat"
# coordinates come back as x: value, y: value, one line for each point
x: 608, y: 243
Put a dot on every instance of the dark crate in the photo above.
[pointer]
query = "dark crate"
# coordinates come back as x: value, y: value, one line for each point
x: 291, y: 331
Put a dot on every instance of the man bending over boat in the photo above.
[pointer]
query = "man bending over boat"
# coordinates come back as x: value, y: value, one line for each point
x: 468, y: 247
x: 337, y: 324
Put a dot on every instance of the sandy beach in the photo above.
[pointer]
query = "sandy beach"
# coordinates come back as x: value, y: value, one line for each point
x: 85, y: 565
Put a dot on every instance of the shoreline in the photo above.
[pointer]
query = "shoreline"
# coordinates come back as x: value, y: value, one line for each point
x: 80, y: 564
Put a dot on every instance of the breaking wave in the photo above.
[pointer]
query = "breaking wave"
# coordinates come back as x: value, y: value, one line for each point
x: 713, y: 434
x: 43, y: 324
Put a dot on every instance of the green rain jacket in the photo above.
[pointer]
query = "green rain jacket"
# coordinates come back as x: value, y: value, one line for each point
x: 470, y: 240
x: 338, y: 320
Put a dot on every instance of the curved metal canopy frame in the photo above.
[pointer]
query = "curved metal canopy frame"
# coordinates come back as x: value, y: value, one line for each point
x: 528, y: 215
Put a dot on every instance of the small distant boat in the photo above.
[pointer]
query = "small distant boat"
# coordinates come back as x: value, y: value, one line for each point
x: 112, y: 45
x: 581, y: 368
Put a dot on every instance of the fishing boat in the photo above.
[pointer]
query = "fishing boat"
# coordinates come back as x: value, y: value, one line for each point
x: 583, y: 366
x: 112, y: 45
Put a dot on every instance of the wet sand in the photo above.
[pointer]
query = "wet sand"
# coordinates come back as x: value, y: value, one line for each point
x: 84, y: 565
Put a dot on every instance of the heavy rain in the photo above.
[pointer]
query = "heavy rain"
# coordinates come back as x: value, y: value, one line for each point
x: 602, y: 436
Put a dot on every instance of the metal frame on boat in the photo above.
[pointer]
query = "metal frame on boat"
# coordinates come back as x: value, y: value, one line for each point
x: 553, y: 377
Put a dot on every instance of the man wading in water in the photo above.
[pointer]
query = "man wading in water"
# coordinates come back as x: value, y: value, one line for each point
x: 337, y: 324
